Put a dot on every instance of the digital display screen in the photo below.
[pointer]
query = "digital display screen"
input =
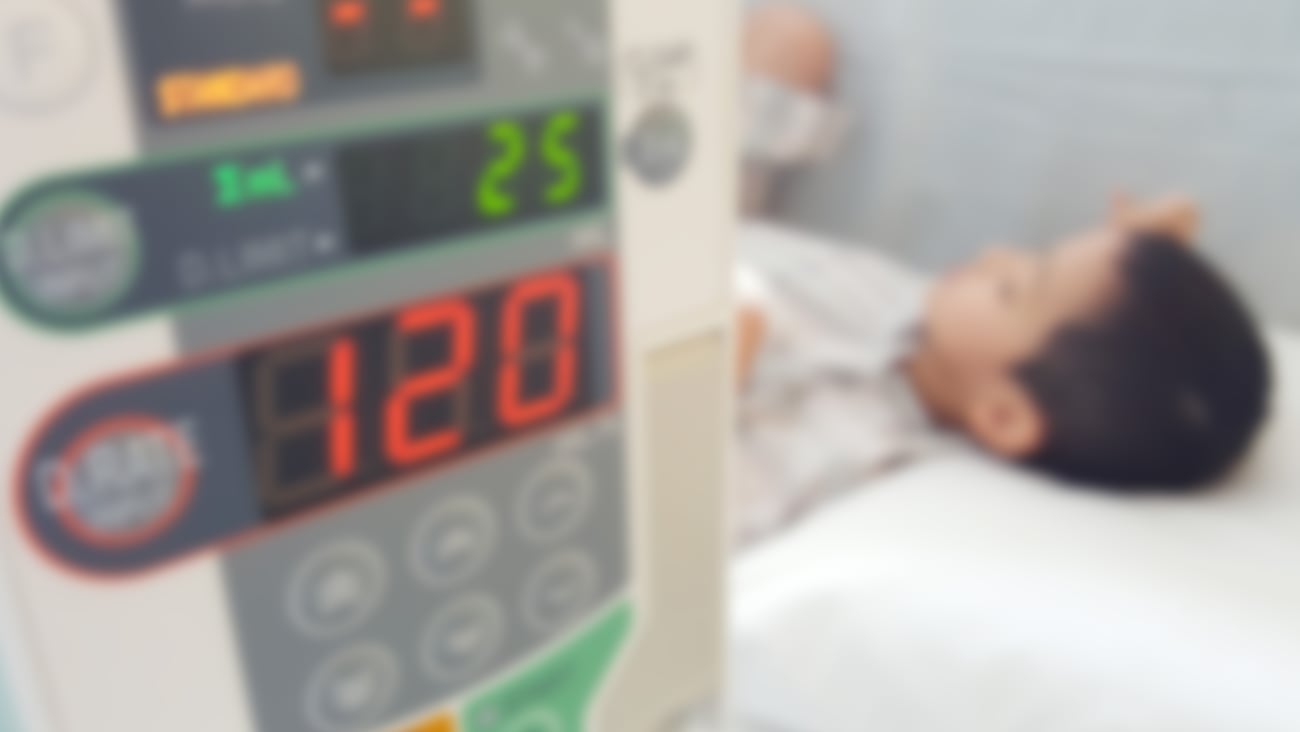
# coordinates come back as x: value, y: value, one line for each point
x: 382, y: 397
x: 208, y: 60
x: 363, y: 36
x: 411, y: 188
x: 171, y: 461
x: 126, y: 241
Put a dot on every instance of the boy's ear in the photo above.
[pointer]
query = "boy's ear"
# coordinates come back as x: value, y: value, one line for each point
x: 1005, y: 420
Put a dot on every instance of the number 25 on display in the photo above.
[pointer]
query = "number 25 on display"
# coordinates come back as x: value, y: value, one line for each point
x: 510, y: 138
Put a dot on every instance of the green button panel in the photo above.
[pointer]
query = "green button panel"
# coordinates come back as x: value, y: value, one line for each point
x: 555, y: 695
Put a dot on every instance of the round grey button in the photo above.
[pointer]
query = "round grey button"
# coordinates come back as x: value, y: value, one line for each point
x: 125, y: 482
x: 337, y: 588
x: 72, y: 254
x: 462, y: 638
x: 352, y: 689
x: 560, y: 591
x: 660, y: 145
x: 555, y: 500
x: 452, y: 541
x: 45, y: 54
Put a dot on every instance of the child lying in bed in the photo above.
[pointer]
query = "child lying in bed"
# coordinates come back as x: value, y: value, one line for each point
x: 1117, y: 358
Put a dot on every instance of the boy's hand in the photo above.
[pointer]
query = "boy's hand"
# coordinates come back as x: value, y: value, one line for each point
x: 1175, y: 215
x: 751, y: 328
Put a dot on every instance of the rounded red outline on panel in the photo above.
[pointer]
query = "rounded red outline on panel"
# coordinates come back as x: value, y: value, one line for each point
x: 98, y: 538
x: 21, y: 495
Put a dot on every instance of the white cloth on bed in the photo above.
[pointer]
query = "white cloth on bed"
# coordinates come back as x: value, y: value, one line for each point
x: 961, y: 594
x: 827, y: 404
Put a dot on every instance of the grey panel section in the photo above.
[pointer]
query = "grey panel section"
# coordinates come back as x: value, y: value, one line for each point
x: 416, y: 277
x: 525, y: 50
x: 381, y: 611
x: 181, y: 35
x: 190, y: 246
x: 217, y: 225
x: 606, y: 381
x: 203, y: 407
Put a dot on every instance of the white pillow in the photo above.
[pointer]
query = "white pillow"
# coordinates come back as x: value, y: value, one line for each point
x: 966, y: 595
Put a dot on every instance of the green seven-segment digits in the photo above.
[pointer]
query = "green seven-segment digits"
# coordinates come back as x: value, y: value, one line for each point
x: 493, y: 201
x: 496, y: 199
x: 562, y: 158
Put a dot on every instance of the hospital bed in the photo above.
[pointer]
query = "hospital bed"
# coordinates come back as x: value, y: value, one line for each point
x: 960, y: 594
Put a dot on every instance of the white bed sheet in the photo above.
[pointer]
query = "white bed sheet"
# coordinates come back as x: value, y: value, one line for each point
x: 964, y: 595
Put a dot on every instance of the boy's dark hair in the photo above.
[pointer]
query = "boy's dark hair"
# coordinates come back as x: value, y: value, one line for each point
x: 1164, y: 390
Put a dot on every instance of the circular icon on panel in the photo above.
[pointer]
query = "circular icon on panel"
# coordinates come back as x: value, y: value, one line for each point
x: 71, y: 255
x: 337, y: 588
x: 555, y: 500
x: 462, y: 638
x: 560, y: 591
x: 538, y: 719
x: 659, y: 146
x: 124, y: 482
x: 352, y: 689
x: 452, y: 541
x: 46, y: 55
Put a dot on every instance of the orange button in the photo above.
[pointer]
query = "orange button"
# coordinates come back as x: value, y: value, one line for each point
x: 424, y: 9
x: 228, y: 89
x: 349, y: 13
x: 440, y: 723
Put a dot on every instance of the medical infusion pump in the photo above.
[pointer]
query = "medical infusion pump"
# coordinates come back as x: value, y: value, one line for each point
x: 365, y: 363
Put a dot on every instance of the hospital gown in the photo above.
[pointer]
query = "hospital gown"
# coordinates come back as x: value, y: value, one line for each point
x: 827, y: 405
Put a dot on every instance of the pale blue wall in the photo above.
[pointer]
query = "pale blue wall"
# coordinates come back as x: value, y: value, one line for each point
x: 984, y: 120
x: 8, y: 710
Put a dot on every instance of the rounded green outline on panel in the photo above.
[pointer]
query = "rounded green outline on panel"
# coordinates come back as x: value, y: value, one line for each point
x: 601, y: 99
x: 574, y: 673
x: 26, y: 304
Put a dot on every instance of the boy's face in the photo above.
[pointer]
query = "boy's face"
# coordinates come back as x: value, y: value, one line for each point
x: 987, y: 318
x: 994, y: 313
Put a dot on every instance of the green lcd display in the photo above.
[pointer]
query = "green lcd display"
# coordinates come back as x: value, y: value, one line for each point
x: 272, y: 212
x: 402, y: 190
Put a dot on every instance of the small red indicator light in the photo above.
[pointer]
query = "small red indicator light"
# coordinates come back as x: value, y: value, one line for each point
x: 424, y: 9
x: 349, y: 13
